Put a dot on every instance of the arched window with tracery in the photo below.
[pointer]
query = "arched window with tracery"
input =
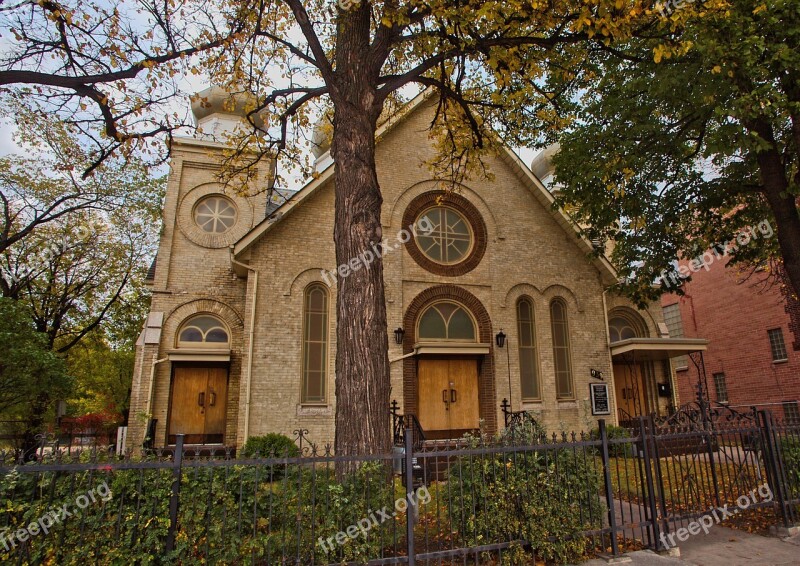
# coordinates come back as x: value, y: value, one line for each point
x: 625, y: 325
x: 446, y: 321
x: 204, y: 331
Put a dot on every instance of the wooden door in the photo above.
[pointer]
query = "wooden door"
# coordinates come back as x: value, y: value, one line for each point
x: 197, y: 404
x: 628, y: 388
x: 433, y: 394
x: 216, y: 401
x: 464, y: 408
x: 448, y: 396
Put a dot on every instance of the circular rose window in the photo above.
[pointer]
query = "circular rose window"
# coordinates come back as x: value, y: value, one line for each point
x: 215, y: 215
x: 444, y: 235
x: 449, y: 235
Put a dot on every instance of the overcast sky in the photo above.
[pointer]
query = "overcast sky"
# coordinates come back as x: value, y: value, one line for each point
x: 7, y: 144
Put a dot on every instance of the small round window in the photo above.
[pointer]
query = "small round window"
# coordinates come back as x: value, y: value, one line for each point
x: 444, y: 235
x: 215, y: 214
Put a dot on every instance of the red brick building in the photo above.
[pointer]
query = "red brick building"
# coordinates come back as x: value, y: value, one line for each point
x: 753, y: 329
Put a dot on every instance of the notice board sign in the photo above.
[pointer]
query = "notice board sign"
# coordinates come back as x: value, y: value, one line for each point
x: 601, y: 405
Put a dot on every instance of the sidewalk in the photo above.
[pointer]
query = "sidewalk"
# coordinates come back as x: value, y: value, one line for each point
x: 723, y: 546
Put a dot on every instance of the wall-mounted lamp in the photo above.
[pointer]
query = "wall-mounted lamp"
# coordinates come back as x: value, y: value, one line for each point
x: 500, y: 339
x: 398, y: 335
x: 596, y: 374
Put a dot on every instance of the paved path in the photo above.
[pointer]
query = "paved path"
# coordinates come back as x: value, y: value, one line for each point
x: 723, y: 547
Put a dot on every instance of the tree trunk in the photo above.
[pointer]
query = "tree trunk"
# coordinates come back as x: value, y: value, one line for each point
x: 362, y: 346
x: 362, y: 360
x: 34, y: 426
x: 781, y: 202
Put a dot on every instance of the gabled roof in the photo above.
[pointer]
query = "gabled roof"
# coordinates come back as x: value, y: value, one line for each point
x: 324, y: 176
x: 508, y: 156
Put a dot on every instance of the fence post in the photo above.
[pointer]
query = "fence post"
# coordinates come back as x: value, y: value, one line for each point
x: 648, y: 472
x: 612, y: 515
x: 408, y: 441
x: 659, y: 479
x: 774, y: 465
x: 174, y: 499
x: 708, y: 433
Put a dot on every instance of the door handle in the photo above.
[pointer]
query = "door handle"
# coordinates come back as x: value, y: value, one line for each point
x: 453, y: 396
x: 445, y: 400
x: 201, y: 399
x: 212, y: 399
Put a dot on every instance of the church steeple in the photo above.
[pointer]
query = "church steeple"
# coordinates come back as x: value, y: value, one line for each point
x: 219, y: 114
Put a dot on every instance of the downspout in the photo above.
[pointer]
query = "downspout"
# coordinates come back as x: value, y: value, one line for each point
x: 250, y: 336
x: 141, y: 369
x: 605, y: 318
x: 608, y: 349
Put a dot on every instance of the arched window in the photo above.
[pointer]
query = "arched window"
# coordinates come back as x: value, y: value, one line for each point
x: 528, y: 362
x: 562, y: 358
x: 315, y: 343
x: 203, y: 331
x: 624, y: 325
x: 446, y: 321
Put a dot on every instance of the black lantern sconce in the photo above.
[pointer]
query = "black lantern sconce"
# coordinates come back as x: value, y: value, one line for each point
x: 398, y: 335
x: 500, y: 339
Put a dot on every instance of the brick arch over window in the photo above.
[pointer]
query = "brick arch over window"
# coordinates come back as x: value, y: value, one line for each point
x: 624, y: 318
x: 183, y: 312
x: 486, y: 379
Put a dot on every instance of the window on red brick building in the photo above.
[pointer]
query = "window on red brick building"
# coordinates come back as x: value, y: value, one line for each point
x: 674, y: 322
x: 777, y: 345
x: 791, y: 413
x: 721, y: 387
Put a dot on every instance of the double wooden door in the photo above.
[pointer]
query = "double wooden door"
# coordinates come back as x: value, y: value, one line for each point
x: 197, y: 404
x: 448, y: 396
x: 629, y: 387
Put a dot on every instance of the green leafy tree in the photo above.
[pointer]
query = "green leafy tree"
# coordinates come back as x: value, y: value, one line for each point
x: 685, y: 141
x: 29, y: 370
x: 74, y: 277
x: 103, y: 375
x: 492, y: 67
x: 102, y: 362
x: 74, y: 253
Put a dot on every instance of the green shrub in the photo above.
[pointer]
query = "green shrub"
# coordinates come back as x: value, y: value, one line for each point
x: 271, y: 445
x: 615, y: 432
x: 330, y: 505
x: 529, y: 432
x: 227, y: 515
x: 790, y: 450
x: 546, y: 497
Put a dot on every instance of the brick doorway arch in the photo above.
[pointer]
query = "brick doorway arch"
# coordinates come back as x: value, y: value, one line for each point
x: 486, y: 376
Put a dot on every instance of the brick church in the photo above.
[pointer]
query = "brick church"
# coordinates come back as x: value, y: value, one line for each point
x: 499, y: 299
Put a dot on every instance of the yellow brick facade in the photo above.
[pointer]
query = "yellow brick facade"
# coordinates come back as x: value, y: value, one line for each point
x: 530, y: 252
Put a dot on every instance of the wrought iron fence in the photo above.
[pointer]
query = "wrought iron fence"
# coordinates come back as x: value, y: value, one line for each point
x: 475, y: 500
